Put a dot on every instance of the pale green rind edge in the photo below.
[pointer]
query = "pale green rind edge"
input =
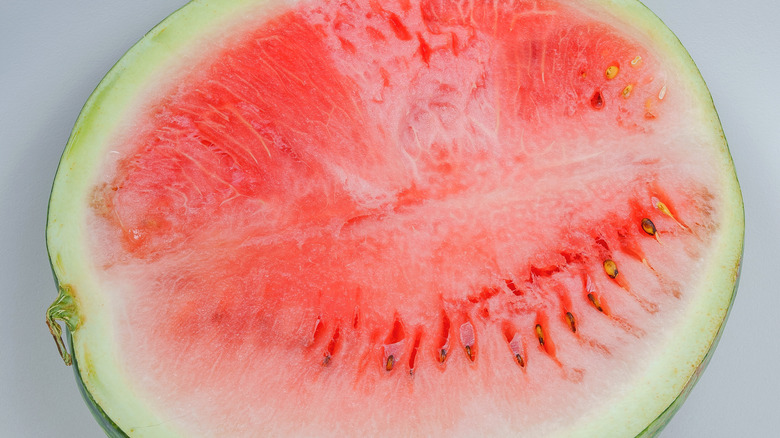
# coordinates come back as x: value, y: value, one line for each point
x: 655, y: 428
x: 659, y: 423
x: 152, y: 57
x: 105, y: 422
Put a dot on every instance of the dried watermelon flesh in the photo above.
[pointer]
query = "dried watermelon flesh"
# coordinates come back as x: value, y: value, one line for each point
x: 406, y: 218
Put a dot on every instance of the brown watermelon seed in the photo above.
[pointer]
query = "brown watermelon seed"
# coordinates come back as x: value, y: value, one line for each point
x: 540, y: 334
x: 570, y: 321
x: 515, y: 344
x: 648, y: 226
x: 610, y: 267
x: 595, y: 301
x: 444, y: 336
x: 389, y: 363
x: 627, y: 90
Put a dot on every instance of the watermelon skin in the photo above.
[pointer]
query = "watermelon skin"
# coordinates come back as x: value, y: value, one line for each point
x: 651, y: 429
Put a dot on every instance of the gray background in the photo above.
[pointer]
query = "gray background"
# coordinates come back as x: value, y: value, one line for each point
x: 53, y: 53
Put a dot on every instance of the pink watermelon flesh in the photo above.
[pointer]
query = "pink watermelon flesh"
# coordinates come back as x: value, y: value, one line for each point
x: 358, y: 217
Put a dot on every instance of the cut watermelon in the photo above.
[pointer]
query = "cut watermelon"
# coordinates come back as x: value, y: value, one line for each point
x: 412, y: 218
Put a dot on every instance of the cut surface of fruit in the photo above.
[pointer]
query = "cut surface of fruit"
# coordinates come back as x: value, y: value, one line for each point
x: 414, y: 218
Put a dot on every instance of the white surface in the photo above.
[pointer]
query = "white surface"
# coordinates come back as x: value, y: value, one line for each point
x: 53, y: 53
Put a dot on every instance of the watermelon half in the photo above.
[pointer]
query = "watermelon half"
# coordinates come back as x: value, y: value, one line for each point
x: 395, y: 218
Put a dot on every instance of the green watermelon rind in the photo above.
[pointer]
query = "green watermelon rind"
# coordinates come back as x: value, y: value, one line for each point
x: 110, y: 396
x: 108, y: 425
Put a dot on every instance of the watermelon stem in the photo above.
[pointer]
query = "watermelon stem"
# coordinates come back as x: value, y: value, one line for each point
x: 63, y: 309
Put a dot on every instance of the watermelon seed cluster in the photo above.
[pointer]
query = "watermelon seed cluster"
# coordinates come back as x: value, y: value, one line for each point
x: 395, y: 342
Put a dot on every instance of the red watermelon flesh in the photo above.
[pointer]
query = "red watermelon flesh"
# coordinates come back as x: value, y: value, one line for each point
x: 413, y: 218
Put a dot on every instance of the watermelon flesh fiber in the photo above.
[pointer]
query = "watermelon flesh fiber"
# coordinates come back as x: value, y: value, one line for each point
x: 398, y: 218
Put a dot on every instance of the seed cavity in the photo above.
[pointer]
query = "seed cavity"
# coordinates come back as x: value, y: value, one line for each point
x: 392, y: 354
x: 590, y: 288
x: 318, y: 329
x: 394, y: 345
x: 610, y: 267
x: 597, y: 101
x: 330, y: 350
x: 570, y: 322
x: 612, y: 71
x: 468, y: 339
x: 444, y: 339
x: 516, y: 345
x: 413, y: 354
